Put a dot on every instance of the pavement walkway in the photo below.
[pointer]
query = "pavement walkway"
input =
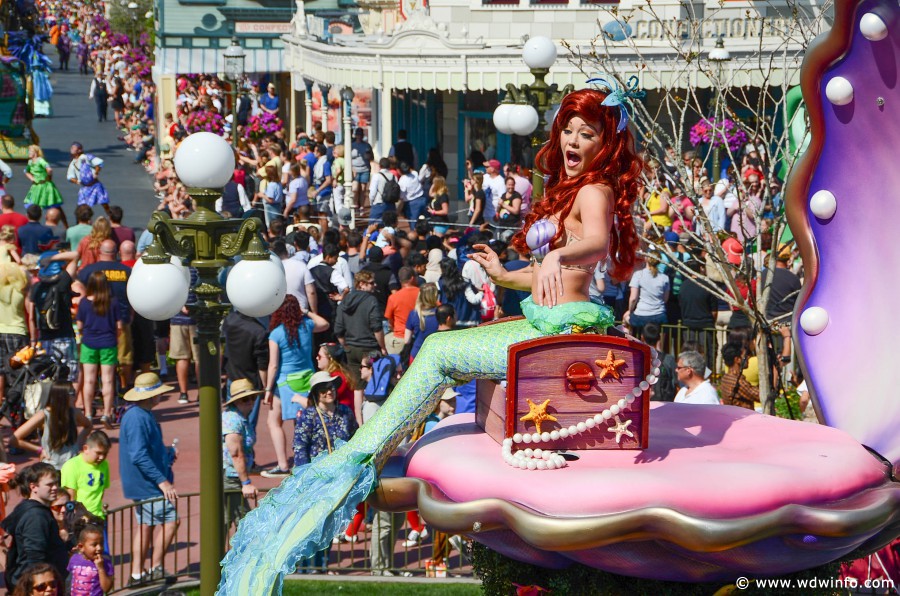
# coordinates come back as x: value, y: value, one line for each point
x: 74, y: 119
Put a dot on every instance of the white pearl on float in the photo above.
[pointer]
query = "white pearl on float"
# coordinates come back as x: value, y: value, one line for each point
x: 823, y: 204
x: 814, y: 320
x: 526, y: 438
x: 644, y: 385
x: 630, y: 399
x: 655, y: 371
x: 538, y: 453
x: 545, y: 437
x: 551, y: 465
x: 529, y: 452
x: 598, y: 418
x: 507, y: 442
x: 573, y: 430
x: 535, y: 438
x: 614, y: 409
x: 622, y: 403
x: 563, y: 433
x: 581, y: 427
x: 554, y: 435
x: 872, y: 27
x: 523, y: 465
x: 839, y: 91
x: 589, y: 423
x: 653, y: 353
x: 656, y: 363
x: 532, y: 465
x: 651, y: 379
x: 606, y: 414
x: 637, y: 392
x: 542, y: 465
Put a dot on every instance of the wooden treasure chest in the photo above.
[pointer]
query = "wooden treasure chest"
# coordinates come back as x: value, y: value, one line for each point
x: 571, y: 392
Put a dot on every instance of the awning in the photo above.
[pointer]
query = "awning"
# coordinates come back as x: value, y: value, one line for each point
x: 210, y: 60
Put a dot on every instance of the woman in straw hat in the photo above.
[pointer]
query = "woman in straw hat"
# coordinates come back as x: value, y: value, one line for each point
x: 238, y: 438
x: 321, y: 427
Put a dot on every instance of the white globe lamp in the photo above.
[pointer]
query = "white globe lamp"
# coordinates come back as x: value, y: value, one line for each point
x: 140, y: 264
x: 158, y: 291
x: 256, y: 288
x: 501, y: 118
x: 204, y: 160
x: 523, y: 120
x: 539, y: 52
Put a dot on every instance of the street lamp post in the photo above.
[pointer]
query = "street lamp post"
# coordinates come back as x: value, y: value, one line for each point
x: 523, y: 110
x: 347, y: 98
x: 234, y: 71
x: 132, y: 7
x: 718, y: 56
x: 158, y: 289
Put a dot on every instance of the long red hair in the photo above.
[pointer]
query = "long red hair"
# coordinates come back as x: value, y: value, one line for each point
x: 616, y: 166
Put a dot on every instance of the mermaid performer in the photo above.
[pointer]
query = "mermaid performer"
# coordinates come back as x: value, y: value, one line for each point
x: 593, y: 183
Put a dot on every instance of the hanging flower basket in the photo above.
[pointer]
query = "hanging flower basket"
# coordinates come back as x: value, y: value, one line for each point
x: 708, y: 132
x: 262, y: 125
x: 205, y: 121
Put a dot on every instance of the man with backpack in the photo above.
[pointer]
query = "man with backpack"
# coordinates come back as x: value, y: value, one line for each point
x: 51, y: 299
x: 358, y: 328
x: 84, y: 170
x: 384, y: 190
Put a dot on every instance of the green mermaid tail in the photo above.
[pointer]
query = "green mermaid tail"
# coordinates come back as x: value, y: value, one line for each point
x: 318, y: 500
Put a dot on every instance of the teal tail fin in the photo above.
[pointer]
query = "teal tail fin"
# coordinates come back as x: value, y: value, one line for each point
x: 296, y: 520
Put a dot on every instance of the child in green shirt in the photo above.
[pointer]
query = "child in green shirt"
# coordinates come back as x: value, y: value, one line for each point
x: 86, y: 476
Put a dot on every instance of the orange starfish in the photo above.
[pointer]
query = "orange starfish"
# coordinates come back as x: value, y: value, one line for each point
x: 610, y: 367
x: 538, y: 414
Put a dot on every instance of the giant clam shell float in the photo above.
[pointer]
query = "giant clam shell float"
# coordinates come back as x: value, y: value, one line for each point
x: 722, y: 492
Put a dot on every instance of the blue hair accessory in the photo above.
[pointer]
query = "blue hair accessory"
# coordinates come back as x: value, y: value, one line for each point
x: 619, y: 96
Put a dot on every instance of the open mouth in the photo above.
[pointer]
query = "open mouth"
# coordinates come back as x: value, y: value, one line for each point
x: 572, y: 159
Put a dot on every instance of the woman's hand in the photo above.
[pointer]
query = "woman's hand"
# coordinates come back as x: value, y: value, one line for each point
x: 488, y: 259
x: 549, y: 287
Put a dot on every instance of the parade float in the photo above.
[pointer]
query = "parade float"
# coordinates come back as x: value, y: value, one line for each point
x: 20, y: 59
x: 566, y: 462
x: 709, y: 493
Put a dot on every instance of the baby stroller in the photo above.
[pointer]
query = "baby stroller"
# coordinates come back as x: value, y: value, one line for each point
x: 29, y: 386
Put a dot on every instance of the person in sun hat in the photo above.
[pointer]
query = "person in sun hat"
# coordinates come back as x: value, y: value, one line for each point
x: 238, y: 438
x: 145, y: 466
x: 319, y: 428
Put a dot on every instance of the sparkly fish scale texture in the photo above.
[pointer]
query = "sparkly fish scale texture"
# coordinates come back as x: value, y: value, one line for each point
x: 312, y: 505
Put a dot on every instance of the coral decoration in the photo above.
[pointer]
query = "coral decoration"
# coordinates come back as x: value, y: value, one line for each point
x: 610, y: 367
x: 538, y: 414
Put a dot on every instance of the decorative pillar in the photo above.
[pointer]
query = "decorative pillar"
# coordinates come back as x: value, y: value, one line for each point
x: 387, y: 126
x: 307, y: 102
x: 347, y: 102
x: 326, y: 89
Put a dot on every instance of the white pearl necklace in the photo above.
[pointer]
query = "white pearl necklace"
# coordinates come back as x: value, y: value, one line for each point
x: 545, y: 459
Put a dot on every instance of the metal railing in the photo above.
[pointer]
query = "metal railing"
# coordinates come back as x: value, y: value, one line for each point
x: 182, y: 559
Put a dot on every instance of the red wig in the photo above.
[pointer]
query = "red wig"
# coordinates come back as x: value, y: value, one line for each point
x: 616, y: 166
x: 290, y: 315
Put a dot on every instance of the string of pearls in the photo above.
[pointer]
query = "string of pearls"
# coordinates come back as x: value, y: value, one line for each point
x: 545, y: 459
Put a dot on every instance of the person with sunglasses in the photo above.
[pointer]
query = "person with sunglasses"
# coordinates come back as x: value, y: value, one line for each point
x: 238, y: 439
x: 39, y: 580
x: 33, y: 528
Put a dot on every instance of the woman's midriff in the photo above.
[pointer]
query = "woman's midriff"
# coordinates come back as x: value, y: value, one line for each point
x: 575, y: 285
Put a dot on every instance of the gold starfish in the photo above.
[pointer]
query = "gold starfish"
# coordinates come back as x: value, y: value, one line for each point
x: 538, y: 414
x: 610, y: 367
